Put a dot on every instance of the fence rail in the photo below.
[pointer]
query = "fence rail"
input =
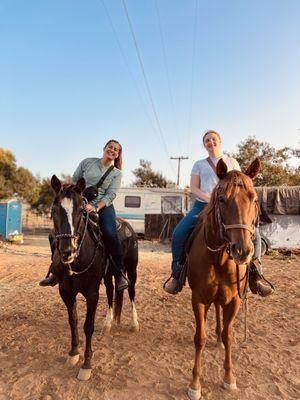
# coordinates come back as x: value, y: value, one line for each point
x: 32, y: 222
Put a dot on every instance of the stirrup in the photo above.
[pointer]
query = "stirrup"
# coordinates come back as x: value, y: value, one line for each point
x: 256, y: 279
x: 49, y: 281
x: 168, y: 288
x: 177, y: 278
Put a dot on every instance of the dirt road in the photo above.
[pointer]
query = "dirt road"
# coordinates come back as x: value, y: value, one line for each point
x: 155, y: 363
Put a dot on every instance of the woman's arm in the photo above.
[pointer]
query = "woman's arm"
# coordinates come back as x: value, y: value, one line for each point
x: 195, y: 185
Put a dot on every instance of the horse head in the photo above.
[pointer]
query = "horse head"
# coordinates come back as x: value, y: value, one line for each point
x: 67, y: 211
x: 236, y: 209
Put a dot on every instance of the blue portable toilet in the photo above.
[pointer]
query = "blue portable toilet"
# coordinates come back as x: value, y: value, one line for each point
x: 10, y: 218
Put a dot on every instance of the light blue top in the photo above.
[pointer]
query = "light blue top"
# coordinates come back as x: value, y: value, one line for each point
x: 91, y: 169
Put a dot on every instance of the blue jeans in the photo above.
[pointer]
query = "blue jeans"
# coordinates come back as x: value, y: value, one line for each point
x: 107, y: 223
x: 183, y: 231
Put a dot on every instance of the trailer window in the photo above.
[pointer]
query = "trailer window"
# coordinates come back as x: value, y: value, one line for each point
x: 133, y: 201
x: 171, y: 205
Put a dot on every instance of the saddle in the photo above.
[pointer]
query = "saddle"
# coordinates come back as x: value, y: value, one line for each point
x: 95, y: 231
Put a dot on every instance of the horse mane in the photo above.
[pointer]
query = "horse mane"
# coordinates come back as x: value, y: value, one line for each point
x: 229, y: 187
x: 67, y: 188
x: 66, y: 191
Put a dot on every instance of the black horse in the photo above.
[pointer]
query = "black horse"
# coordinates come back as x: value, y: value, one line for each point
x: 79, y: 261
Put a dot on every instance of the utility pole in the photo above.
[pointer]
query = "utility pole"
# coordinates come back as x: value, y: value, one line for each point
x: 178, y: 171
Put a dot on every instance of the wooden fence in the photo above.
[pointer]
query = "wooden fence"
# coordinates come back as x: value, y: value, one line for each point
x: 33, y: 222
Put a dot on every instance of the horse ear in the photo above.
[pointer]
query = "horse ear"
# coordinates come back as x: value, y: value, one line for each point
x: 253, y: 168
x: 221, y: 169
x: 80, y: 185
x: 56, y: 184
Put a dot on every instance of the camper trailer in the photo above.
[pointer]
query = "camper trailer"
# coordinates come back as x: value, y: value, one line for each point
x: 133, y: 203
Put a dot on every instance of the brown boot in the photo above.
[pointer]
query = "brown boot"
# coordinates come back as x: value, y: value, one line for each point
x: 172, y: 286
x: 49, y: 281
x: 257, y: 283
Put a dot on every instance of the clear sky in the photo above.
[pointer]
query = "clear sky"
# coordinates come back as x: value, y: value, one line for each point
x: 70, y: 79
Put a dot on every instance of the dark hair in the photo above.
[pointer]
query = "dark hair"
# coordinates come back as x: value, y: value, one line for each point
x: 211, y: 131
x: 118, y: 161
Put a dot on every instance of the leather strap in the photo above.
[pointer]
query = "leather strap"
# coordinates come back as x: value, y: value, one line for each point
x: 212, y: 165
x: 104, y: 176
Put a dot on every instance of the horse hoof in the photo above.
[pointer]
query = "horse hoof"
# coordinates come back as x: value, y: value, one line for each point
x: 73, y: 360
x: 220, y: 345
x: 135, y: 328
x: 106, y: 329
x: 194, y: 394
x: 84, y: 374
x: 229, y: 386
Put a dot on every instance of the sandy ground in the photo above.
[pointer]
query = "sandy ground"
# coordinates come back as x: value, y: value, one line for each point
x: 154, y: 363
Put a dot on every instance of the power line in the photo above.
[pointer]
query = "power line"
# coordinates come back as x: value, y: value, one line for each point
x: 146, y: 81
x: 127, y: 66
x: 192, y: 76
x: 178, y: 169
x: 167, y: 74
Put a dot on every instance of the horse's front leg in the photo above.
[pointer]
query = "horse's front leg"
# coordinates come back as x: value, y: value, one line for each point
x: 194, y: 392
x: 109, y: 287
x: 70, y: 301
x: 229, y: 313
x: 91, y: 301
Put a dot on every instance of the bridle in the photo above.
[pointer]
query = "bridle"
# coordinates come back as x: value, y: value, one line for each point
x: 223, y: 228
x: 78, y: 242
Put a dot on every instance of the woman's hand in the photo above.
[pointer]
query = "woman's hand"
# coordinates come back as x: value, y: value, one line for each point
x: 89, y: 208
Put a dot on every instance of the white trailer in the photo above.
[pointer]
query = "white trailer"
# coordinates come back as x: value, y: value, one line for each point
x: 132, y: 203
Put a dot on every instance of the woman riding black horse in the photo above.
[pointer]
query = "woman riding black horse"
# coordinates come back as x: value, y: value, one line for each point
x: 92, y: 169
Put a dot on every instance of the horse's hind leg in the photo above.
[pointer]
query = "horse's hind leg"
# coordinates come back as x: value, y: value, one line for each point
x: 131, y: 291
x: 218, y: 325
x: 229, y: 313
x: 110, y: 295
x: 70, y: 302
x: 194, y: 392
x: 118, y: 305
x: 92, y: 301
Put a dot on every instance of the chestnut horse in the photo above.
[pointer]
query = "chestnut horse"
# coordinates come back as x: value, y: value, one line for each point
x: 220, y: 249
x: 80, y: 261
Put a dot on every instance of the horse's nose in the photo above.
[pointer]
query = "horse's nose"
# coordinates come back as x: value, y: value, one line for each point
x: 240, y: 252
x: 67, y: 254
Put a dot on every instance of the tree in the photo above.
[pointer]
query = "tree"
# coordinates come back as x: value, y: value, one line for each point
x: 7, y: 173
x: 46, y: 194
x: 26, y: 185
x: 275, y: 169
x: 14, y: 180
x: 44, y: 201
x: 145, y: 176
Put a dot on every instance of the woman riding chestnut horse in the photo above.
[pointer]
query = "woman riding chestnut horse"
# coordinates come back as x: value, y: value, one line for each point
x: 203, y: 181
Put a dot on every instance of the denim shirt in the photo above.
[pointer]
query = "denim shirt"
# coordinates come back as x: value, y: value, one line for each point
x: 91, y: 169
